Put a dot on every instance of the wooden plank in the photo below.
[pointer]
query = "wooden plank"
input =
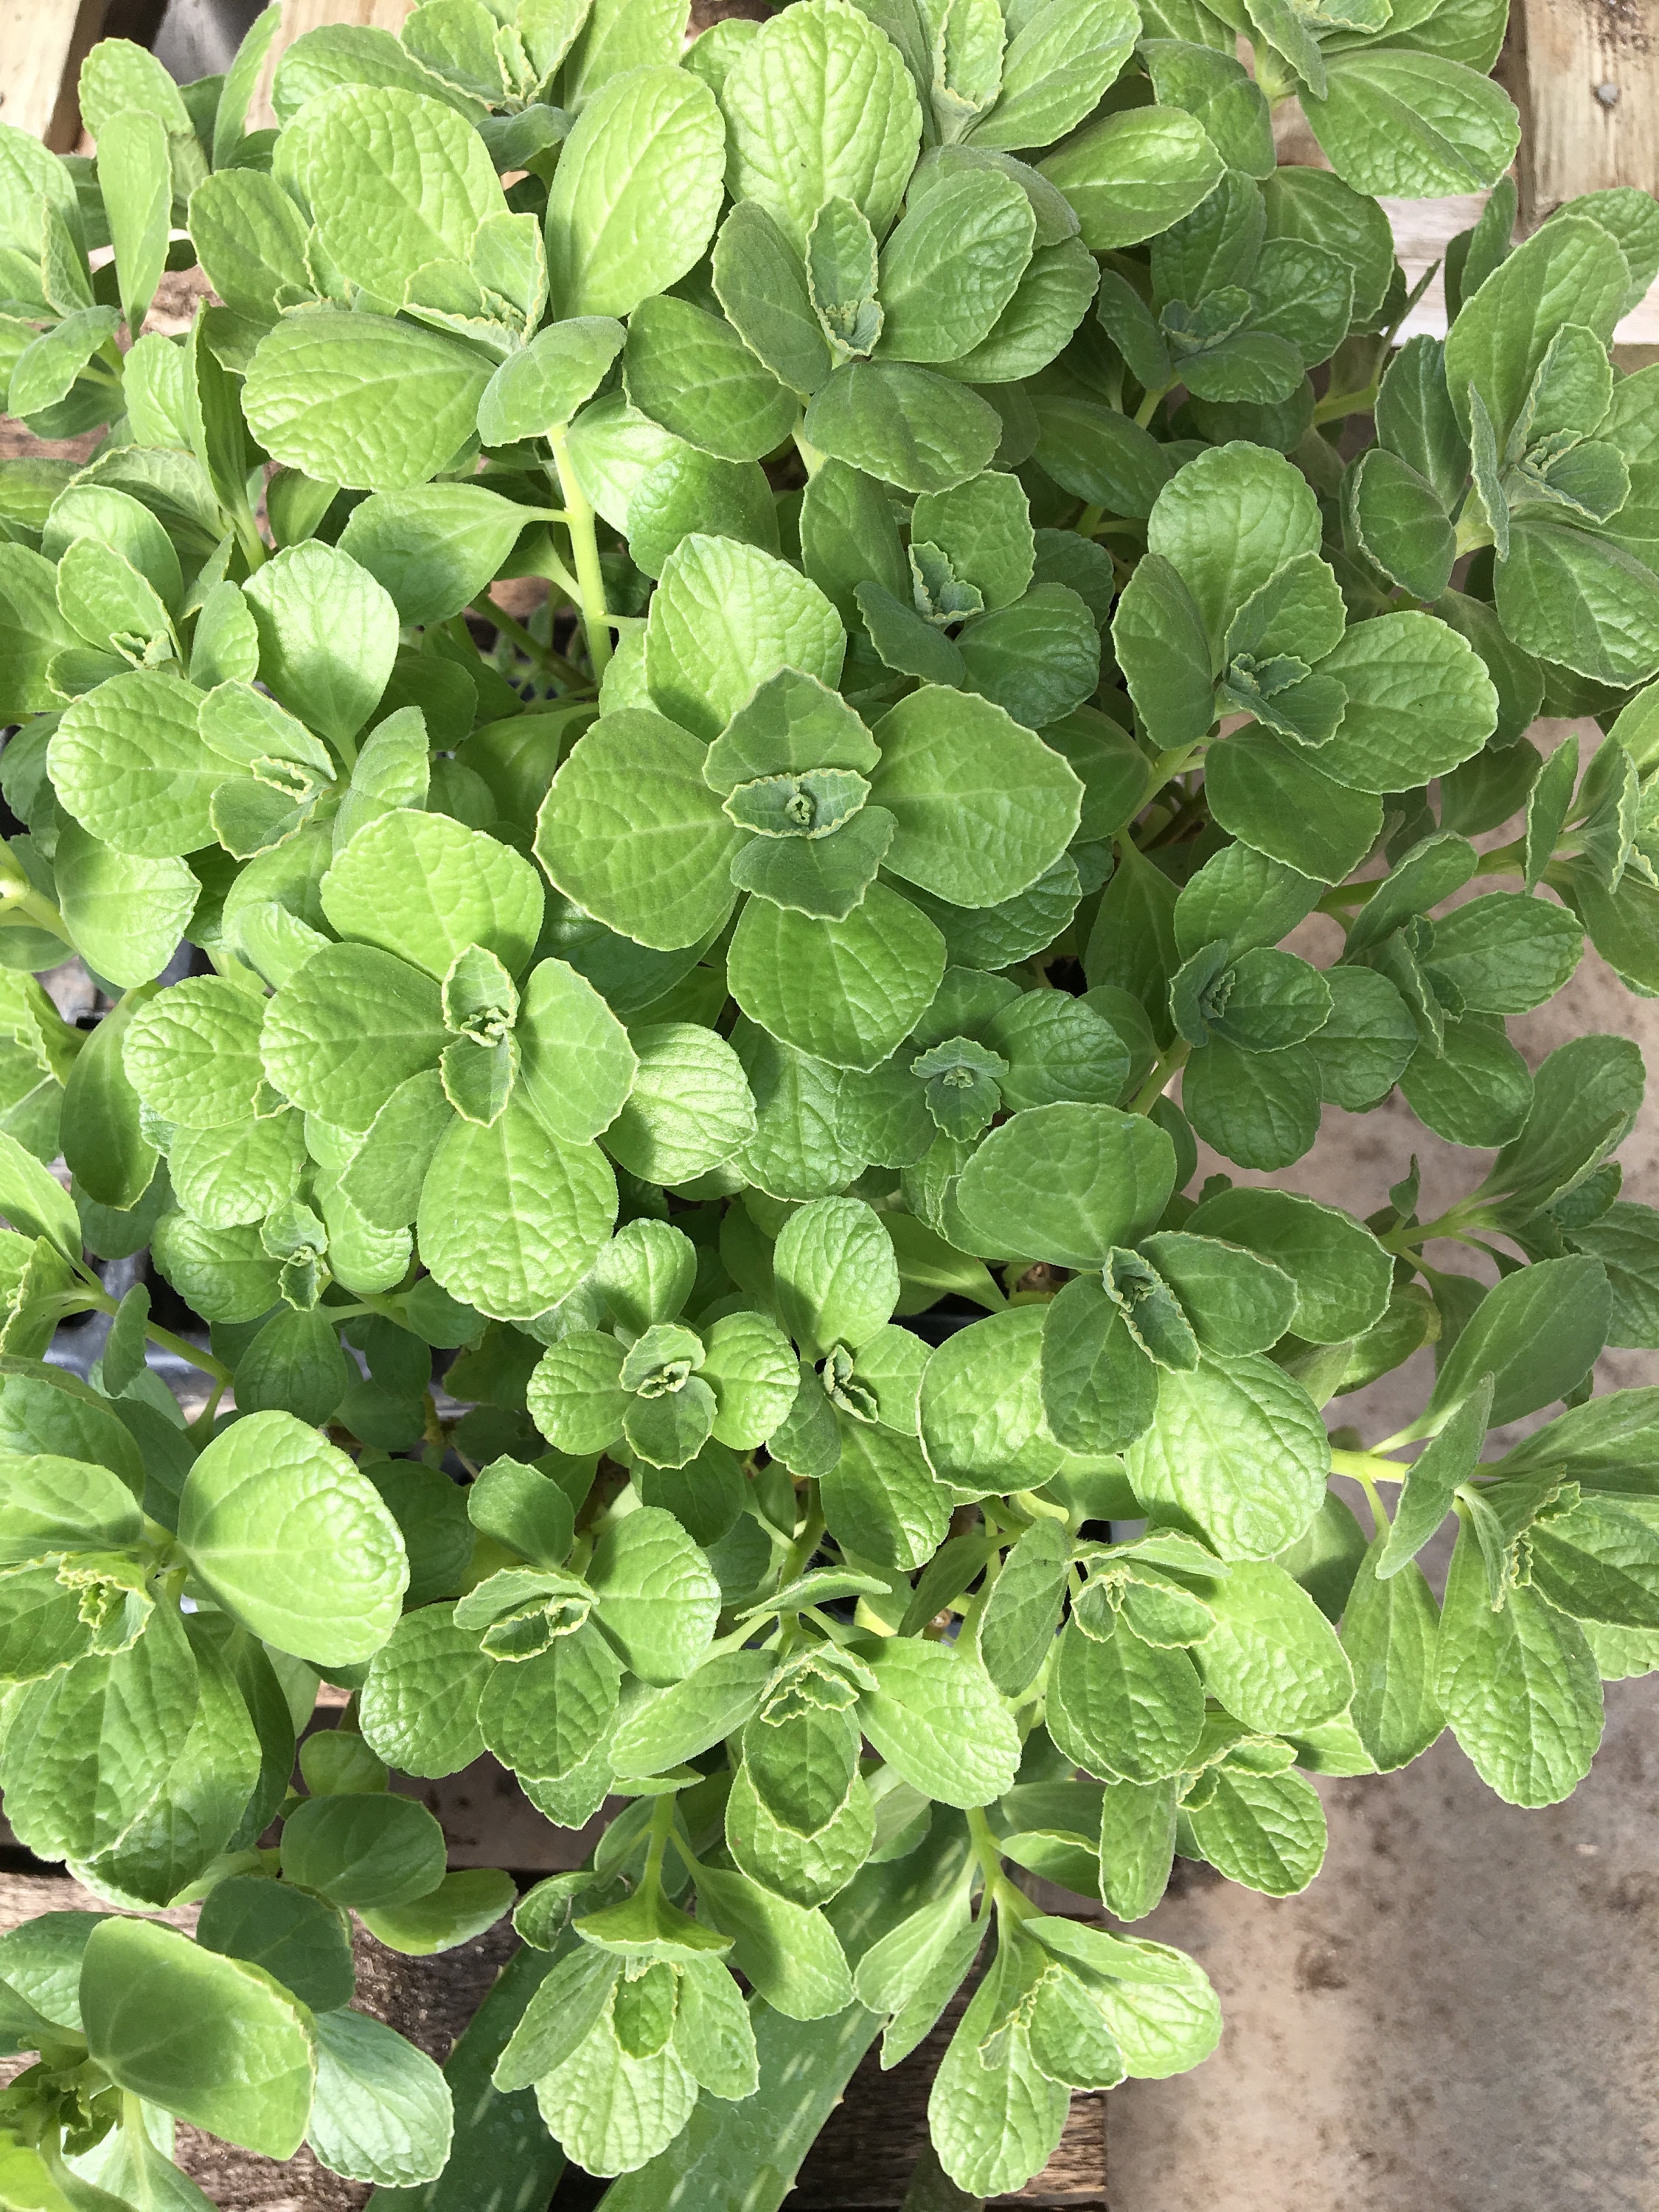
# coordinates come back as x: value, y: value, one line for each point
x: 43, y: 44
x: 1585, y: 76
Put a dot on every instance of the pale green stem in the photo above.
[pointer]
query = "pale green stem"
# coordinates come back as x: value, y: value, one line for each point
x: 662, y: 1826
x: 1149, y: 405
x: 1369, y: 1466
x: 546, y: 656
x: 20, y: 899
x: 1335, y: 404
x: 585, y: 544
x: 1167, y: 1065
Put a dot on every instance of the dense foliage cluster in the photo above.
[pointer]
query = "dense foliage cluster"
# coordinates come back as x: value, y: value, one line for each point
x: 663, y: 1129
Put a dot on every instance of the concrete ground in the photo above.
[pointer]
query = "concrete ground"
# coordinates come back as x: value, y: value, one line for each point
x: 1460, y: 2015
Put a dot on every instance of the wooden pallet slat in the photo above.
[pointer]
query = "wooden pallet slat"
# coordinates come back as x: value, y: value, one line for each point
x: 43, y: 44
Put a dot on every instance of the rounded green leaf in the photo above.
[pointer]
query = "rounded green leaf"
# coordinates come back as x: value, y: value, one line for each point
x: 936, y: 1715
x: 192, y: 1052
x: 821, y: 107
x: 1341, y: 1273
x: 952, y: 266
x: 846, y: 992
x: 419, y: 1708
x: 982, y: 1406
x: 348, y: 1028
x: 1135, y: 174
x: 690, y: 372
x: 393, y: 181
x: 511, y: 1216
x: 1068, y: 1182
x: 1413, y: 126
x: 1272, y: 1657
x: 293, y: 1541
x: 836, y: 1279
x: 983, y: 806
x: 657, y: 1595
x: 690, y: 1109
x: 425, y: 887
x: 361, y: 400
x: 125, y: 913
x: 1228, y: 522
x: 382, y: 2112
x: 908, y: 426
x: 541, y: 386
x: 435, y: 547
x: 128, y: 761
x: 216, y: 2041
x: 632, y: 833
x: 638, y: 188
x: 576, y: 1065
x: 1238, y: 1454
x: 363, y: 1847
x: 1419, y: 702
x: 304, y: 1943
x: 723, y: 618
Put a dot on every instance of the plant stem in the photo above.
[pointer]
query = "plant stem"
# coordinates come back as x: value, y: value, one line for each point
x: 192, y: 1354
x: 584, y: 542
x: 1380, y: 1522
x: 546, y: 656
x: 807, y: 1542
x: 22, y: 900
x: 1167, y: 1064
x: 1367, y: 1467
x: 1452, y: 1223
x: 1336, y: 404
x: 1149, y: 405
x: 662, y: 1824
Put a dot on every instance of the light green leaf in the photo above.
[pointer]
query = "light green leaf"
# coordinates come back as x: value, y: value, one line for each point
x: 382, y: 2110
x: 192, y: 1052
x: 435, y: 547
x: 1068, y: 1182
x: 128, y: 764
x: 936, y: 1716
x: 726, y: 617
x: 1389, y: 1631
x: 1135, y: 173
x: 1272, y: 1658
x: 511, y: 1216
x: 217, y: 2041
x: 328, y: 635
x: 905, y: 425
x: 1419, y: 702
x: 1413, y: 125
x: 845, y: 992
x: 632, y: 832
x: 361, y: 400
x: 637, y: 193
x: 392, y: 180
x: 982, y: 1407
x: 821, y: 107
x: 1520, y: 1687
x: 982, y: 807
x: 1238, y: 1454
x: 425, y: 888
x: 351, y: 1026
x: 293, y: 1541
x: 656, y: 1594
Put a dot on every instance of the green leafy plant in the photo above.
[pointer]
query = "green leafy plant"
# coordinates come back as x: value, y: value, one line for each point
x: 672, y: 1153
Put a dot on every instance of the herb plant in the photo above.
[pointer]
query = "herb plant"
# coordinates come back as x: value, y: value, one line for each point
x: 667, y: 1134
